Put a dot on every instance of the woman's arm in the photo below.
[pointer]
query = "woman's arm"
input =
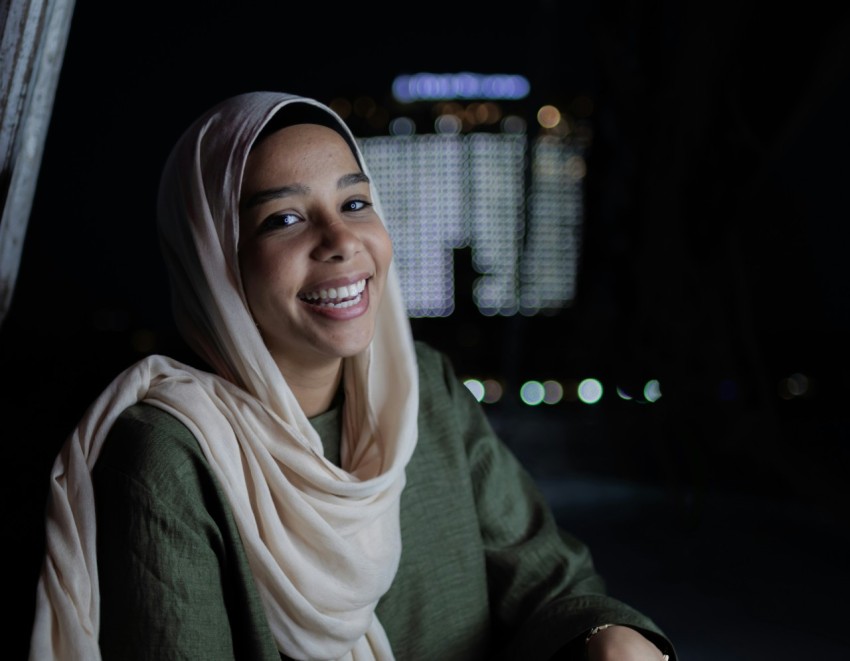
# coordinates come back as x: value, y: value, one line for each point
x: 544, y: 587
x: 174, y: 580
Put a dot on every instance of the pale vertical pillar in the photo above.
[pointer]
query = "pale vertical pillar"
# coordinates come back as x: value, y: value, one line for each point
x: 32, y: 47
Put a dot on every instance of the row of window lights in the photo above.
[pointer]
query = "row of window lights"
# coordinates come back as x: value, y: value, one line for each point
x: 590, y: 391
x: 534, y: 393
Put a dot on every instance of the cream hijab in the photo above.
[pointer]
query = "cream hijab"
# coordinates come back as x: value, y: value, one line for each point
x: 323, y: 543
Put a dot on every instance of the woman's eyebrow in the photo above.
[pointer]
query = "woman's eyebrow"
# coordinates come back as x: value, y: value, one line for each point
x: 299, y: 189
x: 352, y: 179
x: 273, y: 194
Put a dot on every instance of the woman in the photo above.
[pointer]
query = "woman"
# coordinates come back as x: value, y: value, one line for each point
x: 327, y: 489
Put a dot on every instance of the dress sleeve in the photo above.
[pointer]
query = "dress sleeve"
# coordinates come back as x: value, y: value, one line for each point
x: 174, y: 579
x: 544, y: 589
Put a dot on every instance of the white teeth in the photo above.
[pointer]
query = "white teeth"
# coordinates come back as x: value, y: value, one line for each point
x: 337, y: 297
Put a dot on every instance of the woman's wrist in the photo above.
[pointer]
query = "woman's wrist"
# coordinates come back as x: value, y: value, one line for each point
x: 592, y: 636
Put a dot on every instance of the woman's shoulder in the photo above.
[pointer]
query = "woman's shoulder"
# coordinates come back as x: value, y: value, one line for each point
x: 433, y: 363
x: 151, y: 445
x: 440, y: 387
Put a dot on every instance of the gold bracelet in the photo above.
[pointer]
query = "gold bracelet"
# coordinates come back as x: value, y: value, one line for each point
x: 596, y: 630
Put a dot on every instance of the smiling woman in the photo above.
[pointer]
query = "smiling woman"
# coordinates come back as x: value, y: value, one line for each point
x: 329, y: 489
x: 313, y: 254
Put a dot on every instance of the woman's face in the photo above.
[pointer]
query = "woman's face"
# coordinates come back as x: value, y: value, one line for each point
x: 313, y: 252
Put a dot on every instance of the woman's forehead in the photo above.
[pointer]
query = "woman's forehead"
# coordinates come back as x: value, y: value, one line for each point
x: 299, y: 147
x: 297, y: 157
x: 304, y: 113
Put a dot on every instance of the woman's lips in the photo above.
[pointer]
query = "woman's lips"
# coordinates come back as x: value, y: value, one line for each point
x: 342, y: 296
x: 340, y: 303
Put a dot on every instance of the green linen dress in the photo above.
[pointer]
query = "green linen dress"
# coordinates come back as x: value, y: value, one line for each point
x: 485, y: 573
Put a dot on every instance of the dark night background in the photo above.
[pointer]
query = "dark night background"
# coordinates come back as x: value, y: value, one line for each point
x: 713, y: 260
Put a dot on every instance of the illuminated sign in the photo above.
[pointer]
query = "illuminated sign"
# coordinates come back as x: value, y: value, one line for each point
x: 459, y: 86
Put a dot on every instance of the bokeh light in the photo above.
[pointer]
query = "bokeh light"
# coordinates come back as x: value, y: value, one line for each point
x: 590, y: 391
x: 532, y: 393
x: 493, y: 391
x: 475, y: 387
x: 794, y: 386
x: 652, y: 391
x: 553, y: 392
x: 548, y: 117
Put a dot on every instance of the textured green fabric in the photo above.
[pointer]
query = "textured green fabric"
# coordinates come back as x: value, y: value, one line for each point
x: 484, y: 571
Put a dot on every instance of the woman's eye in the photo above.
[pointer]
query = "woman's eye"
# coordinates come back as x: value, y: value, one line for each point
x: 356, y: 205
x: 279, y: 220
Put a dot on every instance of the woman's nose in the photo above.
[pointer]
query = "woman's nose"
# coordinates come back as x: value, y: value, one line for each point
x: 337, y: 241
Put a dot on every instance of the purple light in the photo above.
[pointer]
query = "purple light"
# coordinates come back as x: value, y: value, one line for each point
x: 447, y: 86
